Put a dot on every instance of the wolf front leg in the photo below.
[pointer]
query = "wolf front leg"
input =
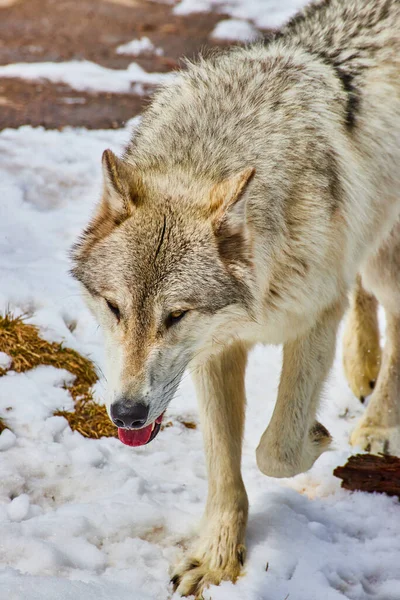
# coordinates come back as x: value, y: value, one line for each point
x: 219, y: 552
x: 294, y: 439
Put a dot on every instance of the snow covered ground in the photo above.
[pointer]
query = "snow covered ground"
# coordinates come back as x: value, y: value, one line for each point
x: 231, y: 30
x: 268, y: 14
x: 84, y: 75
x: 89, y: 519
x: 138, y: 47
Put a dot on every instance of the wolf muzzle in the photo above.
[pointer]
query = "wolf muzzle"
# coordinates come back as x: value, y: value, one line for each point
x: 130, y: 418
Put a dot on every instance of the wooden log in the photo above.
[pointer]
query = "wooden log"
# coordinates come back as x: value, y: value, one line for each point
x: 370, y: 473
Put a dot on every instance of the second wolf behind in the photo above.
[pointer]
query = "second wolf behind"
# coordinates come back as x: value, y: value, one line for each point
x: 260, y: 188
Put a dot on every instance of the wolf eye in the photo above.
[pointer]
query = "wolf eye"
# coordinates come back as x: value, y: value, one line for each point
x: 114, y: 309
x: 174, y: 317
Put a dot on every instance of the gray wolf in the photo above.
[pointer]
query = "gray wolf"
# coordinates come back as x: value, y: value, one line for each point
x: 259, y: 193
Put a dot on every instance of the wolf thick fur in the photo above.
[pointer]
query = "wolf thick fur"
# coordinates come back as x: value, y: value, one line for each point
x: 261, y: 187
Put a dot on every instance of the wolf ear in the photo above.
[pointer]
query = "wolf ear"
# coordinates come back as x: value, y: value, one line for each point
x: 227, y: 197
x: 229, y: 222
x: 119, y: 190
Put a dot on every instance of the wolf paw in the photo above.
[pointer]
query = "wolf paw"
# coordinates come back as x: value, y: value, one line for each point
x: 195, y: 574
x: 361, y: 358
x: 276, y: 461
x: 377, y: 440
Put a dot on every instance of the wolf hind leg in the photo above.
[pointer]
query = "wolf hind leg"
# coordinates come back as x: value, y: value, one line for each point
x: 219, y: 553
x: 361, y: 348
x: 379, y: 429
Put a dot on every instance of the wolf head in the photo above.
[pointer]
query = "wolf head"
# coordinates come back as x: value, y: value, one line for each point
x: 165, y: 267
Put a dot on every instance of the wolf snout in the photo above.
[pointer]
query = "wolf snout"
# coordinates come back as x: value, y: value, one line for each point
x: 129, y: 414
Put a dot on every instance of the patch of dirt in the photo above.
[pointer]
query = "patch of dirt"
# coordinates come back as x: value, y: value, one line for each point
x: 63, y: 30
x: 56, y: 105
x: 4, y: 3
x: 60, y: 30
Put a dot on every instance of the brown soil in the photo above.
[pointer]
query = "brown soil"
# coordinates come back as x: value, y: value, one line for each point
x: 55, y: 105
x: 61, y: 30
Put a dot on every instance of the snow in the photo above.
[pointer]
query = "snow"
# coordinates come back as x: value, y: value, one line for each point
x: 43, y: 393
x: 84, y: 75
x: 141, y: 46
x: 267, y: 14
x: 5, y: 360
x: 7, y: 439
x: 235, y: 30
x: 95, y: 519
x: 18, y: 508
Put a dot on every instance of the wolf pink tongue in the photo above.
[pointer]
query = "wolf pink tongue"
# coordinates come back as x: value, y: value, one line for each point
x: 135, y: 437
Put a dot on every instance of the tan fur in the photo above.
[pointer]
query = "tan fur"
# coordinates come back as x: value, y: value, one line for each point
x: 259, y: 184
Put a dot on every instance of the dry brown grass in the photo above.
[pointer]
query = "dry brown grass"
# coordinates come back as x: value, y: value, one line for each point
x: 21, y: 341
x: 90, y: 419
x: 27, y: 350
x: 182, y: 421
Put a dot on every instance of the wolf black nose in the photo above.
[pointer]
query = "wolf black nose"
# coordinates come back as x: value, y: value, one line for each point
x: 125, y: 414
